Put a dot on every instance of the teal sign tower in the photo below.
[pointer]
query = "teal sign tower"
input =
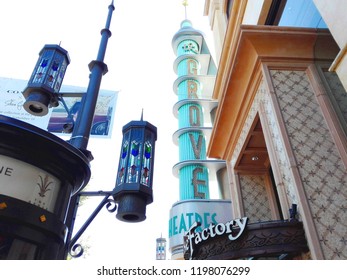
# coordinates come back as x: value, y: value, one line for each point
x: 194, y: 110
x: 196, y: 71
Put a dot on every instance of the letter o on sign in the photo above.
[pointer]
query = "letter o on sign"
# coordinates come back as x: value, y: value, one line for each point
x: 220, y: 229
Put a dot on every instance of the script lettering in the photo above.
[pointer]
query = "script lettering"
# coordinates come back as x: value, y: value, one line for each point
x: 193, y: 237
x: 241, y: 223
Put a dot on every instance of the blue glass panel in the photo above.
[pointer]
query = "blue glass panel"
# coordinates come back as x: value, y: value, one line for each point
x: 301, y: 13
x: 44, y: 63
x: 55, y: 66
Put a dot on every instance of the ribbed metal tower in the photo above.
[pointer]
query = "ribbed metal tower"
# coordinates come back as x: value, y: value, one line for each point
x: 196, y: 72
x: 196, y: 75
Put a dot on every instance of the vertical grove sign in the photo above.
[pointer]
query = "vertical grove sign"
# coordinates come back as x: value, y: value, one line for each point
x: 28, y: 183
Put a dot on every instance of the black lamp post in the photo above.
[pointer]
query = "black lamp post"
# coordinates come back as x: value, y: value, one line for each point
x: 42, y: 176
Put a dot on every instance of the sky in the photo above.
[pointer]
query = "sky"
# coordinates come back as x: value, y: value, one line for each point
x: 140, y: 62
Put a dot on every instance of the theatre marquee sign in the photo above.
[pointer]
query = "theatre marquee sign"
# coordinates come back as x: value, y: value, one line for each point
x: 185, y: 213
x: 232, y: 229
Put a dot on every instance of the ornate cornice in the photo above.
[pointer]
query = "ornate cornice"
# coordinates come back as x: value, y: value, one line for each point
x: 237, y: 79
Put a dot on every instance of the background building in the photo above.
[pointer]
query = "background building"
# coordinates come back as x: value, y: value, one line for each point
x: 161, y: 248
x: 280, y: 126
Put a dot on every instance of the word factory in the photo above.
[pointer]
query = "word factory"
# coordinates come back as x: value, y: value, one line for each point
x: 193, y: 238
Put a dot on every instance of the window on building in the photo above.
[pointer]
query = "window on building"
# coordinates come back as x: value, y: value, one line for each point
x: 295, y: 13
x: 301, y: 14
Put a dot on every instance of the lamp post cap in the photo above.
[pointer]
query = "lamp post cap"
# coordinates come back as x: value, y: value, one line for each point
x: 134, y: 124
x: 58, y: 48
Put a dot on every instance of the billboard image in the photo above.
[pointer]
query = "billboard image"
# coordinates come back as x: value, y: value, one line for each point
x: 59, y: 120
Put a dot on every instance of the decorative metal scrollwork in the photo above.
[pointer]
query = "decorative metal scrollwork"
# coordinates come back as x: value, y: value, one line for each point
x: 111, y: 205
x: 75, y: 249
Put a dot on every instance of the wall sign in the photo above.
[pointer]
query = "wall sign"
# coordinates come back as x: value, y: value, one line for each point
x: 29, y: 183
x: 184, y: 213
x: 233, y: 229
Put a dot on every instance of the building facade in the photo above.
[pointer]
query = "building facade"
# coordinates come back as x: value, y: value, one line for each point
x: 280, y: 125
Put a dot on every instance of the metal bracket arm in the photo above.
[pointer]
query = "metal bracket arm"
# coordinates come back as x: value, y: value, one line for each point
x: 75, y: 249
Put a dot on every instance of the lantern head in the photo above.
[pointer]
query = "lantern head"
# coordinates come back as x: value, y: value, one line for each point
x: 133, y: 190
x: 46, y: 80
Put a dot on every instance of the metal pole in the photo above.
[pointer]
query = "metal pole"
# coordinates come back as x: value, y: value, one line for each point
x: 84, y: 121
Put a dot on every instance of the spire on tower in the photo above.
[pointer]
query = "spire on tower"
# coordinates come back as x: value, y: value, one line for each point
x: 185, y: 4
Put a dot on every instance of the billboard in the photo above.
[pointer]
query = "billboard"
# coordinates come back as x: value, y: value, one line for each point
x: 12, y: 100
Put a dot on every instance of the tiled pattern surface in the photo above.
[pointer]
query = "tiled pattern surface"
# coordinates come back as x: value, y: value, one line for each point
x: 248, y: 123
x: 254, y: 197
x: 285, y: 184
x: 262, y: 97
x: 338, y: 96
x: 323, y: 175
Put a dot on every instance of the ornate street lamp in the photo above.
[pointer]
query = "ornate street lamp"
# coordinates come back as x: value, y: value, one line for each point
x: 133, y: 189
x: 44, y: 84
